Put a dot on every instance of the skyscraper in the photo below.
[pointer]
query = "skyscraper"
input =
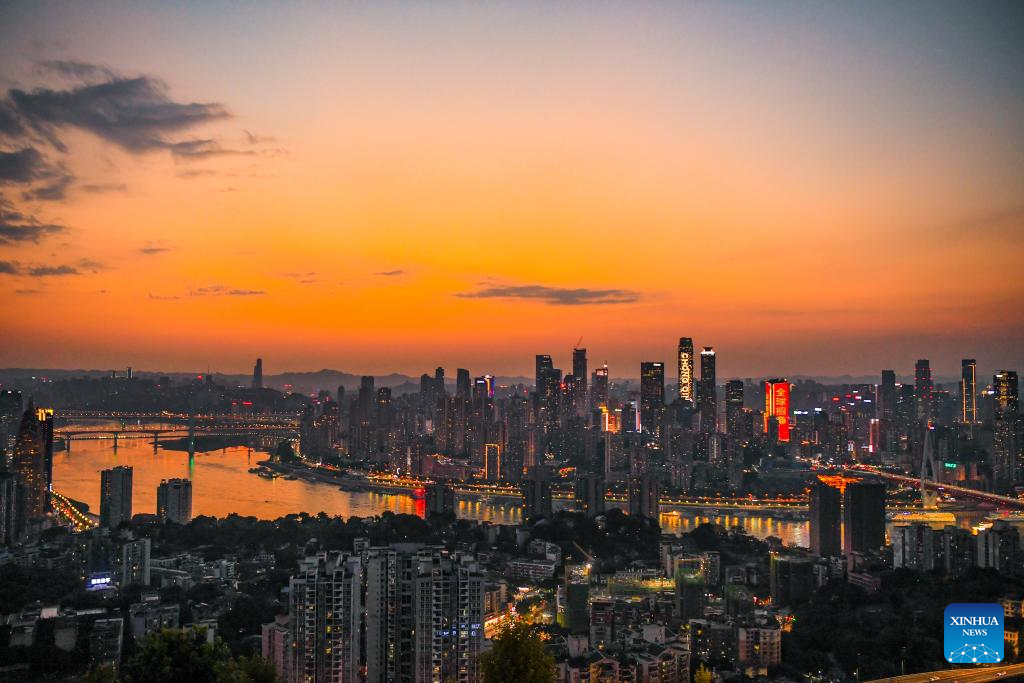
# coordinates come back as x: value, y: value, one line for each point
x: 652, y: 397
x: 32, y: 461
x: 1006, y: 465
x: 708, y: 398
x: 174, y: 500
x: 588, y: 492
x: 968, y: 391
x: 776, y: 407
x: 686, y: 369
x: 643, y: 496
x: 826, y: 520
x: 536, y: 491
x: 733, y: 407
x: 115, y: 496
x: 923, y: 390
x: 257, y: 374
x: 863, y: 517
x: 492, y: 462
x: 325, y: 606
x: 542, y: 365
x: 579, y: 371
x: 462, y: 383
x: 599, y: 392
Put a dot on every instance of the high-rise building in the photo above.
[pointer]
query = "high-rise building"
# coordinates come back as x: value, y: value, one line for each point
x: 257, y: 374
x: 492, y: 462
x: 174, y: 500
x: 132, y: 562
x: 536, y: 490
x: 708, y: 396
x: 968, y: 391
x: 690, y: 594
x: 325, y: 610
x: 686, y: 369
x: 643, y: 496
x: 577, y: 597
x: 863, y: 517
x: 733, y: 407
x: 440, y: 499
x: 115, y: 496
x: 652, y: 397
x: 1006, y: 460
x: 924, y: 390
x: 776, y: 407
x: 32, y: 461
x: 599, y: 392
x: 10, y: 492
x: 462, y: 383
x: 579, y: 371
x: 542, y: 366
x: 588, y: 491
x: 826, y: 520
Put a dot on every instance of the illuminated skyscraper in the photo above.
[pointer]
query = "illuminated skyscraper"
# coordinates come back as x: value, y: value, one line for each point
x: 968, y: 391
x: 686, y: 369
x: 115, y: 496
x: 579, y: 371
x: 492, y: 462
x: 543, y: 364
x: 32, y: 461
x: 652, y: 397
x: 708, y: 398
x: 643, y: 496
x: 599, y: 392
x: 776, y: 407
x: 923, y: 390
x: 1006, y: 461
x: 257, y: 374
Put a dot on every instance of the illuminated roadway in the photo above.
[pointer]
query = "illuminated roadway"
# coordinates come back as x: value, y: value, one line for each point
x: 981, y: 496
x: 966, y: 675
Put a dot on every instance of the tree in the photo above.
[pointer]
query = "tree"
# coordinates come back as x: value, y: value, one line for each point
x: 517, y: 656
x: 185, y: 655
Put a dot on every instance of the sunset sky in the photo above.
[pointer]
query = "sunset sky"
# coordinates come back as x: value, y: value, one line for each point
x: 813, y: 188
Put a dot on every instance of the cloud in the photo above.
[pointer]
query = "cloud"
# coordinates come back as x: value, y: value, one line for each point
x: 53, y: 191
x: 151, y: 249
x: 17, y: 227
x: 391, y: 273
x: 221, y: 290
x: 556, y: 296
x: 48, y: 271
x: 163, y: 297
x: 10, y: 268
x: 99, y: 188
x: 24, y: 292
x: 70, y: 68
x: 21, y: 166
x: 135, y: 114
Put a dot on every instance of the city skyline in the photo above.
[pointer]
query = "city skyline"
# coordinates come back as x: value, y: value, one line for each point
x: 391, y: 188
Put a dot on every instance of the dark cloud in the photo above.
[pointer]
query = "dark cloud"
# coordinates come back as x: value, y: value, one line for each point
x: 22, y: 166
x: 52, y: 191
x: 100, y: 188
x: 48, y: 271
x: 82, y: 71
x: 26, y: 292
x: 151, y: 249
x: 221, y: 290
x: 17, y: 227
x: 556, y: 296
x: 391, y: 273
x: 134, y: 113
x: 10, y: 268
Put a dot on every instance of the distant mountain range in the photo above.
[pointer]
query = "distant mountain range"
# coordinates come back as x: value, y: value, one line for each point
x: 312, y: 382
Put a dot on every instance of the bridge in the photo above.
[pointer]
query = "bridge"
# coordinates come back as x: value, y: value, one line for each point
x: 66, y: 510
x: 1004, y: 502
x: 964, y: 675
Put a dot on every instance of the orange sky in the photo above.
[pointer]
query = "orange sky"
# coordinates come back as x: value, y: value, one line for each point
x: 811, y: 193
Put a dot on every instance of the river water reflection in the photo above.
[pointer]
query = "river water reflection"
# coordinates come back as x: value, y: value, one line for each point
x: 222, y: 484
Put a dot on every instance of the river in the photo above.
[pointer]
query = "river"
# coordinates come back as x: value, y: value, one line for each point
x: 222, y: 484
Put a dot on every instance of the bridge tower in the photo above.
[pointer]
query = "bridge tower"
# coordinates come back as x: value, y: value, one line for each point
x: 929, y: 473
x: 191, y: 432
x: 115, y: 440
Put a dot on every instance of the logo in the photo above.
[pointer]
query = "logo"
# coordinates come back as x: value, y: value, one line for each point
x: 973, y: 633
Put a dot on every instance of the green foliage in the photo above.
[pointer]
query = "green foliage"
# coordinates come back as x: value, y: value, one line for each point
x: 174, y: 655
x: 20, y: 586
x: 517, y: 656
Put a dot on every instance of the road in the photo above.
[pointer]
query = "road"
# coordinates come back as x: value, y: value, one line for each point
x: 965, y: 675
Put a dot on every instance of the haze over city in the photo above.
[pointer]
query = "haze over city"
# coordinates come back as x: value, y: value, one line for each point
x: 813, y: 190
